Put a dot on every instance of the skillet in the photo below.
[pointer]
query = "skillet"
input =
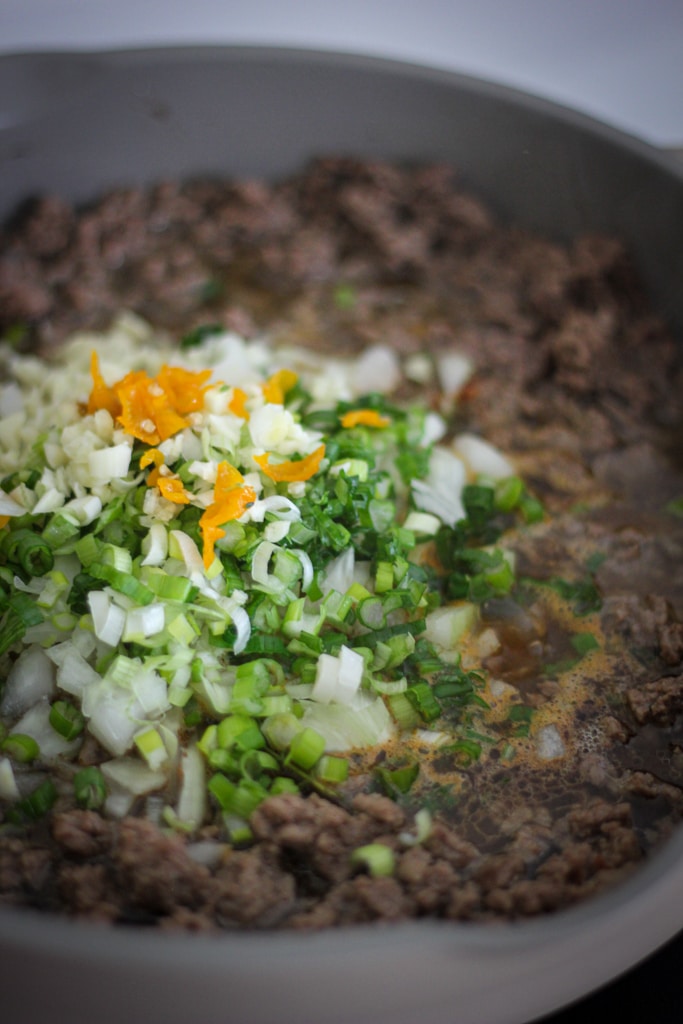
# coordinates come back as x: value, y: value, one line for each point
x: 77, y: 124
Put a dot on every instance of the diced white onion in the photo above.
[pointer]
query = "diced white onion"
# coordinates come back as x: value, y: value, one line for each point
x: 191, y: 806
x: 482, y: 458
x: 343, y: 727
x: 351, y: 667
x: 11, y: 399
x: 338, y: 678
x: 327, y: 673
x: 85, y: 509
x: 422, y: 523
x: 376, y: 369
x: 74, y: 674
x: 500, y: 688
x: 34, y: 586
x: 51, y: 500
x: 260, y: 566
x: 488, y: 643
x: 454, y: 370
x: 108, y: 619
x: 217, y: 695
x: 276, y: 531
x: 133, y: 775
x: 306, y: 567
x: 273, y: 428
x: 169, y: 727
x: 441, y: 493
x: 185, y: 549
x: 10, y: 507
x: 30, y: 678
x: 418, y: 367
x: 118, y: 803
x: 110, y: 463
x: 432, y: 737
x: 434, y: 428
x: 447, y: 507
x: 143, y: 622
x: 278, y: 505
x: 242, y: 624
x: 108, y: 708
x: 549, y: 743
x: 445, y: 626
x: 339, y: 572
x: 59, y: 652
x: 155, y: 545
x: 9, y: 790
x: 151, y: 693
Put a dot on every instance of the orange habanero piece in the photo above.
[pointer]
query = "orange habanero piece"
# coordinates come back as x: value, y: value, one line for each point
x: 238, y: 404
x: 277, y: 386
x: 150, y: 408
x: 364, y: 418
x: 231, y: 498
x: 171, y: 487
x: 292, y: 472
x: 185, y: 389
x: 102, y: 396
x: 145, y: 409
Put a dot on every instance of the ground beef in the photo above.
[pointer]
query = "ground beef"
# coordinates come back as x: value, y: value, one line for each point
x: 85, y: 890
x: 82, y: 833
x: 252, y: 889
x: 574, y: 376
x: 659, y: 701
x: 133, y: 873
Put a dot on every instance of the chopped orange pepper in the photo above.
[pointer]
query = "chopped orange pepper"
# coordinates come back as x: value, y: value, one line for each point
x: 101, y: 396
x: 185, y: 388
x: 170, y: 486
x: 291, y: 472
x: 231, y: 498
x: 238, y: 404
x: 227, y: 477
x: 4, y: 520
x: 151, y: 455
x: 210, y: 534
x: 172, y: 489
x: 277, y: 386
x: 364, y: 418
x: 149, y: 408
x: 231, y: 506
x: 145, y: 411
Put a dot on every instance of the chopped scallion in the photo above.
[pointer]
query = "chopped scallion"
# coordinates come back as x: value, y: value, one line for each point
x: 90, y: 789
x: 377, y: 859
x: 36, y: 805
x: 66, y: 719
x: 306, y: 748
x: 20, y: 747
x: 332, y: 769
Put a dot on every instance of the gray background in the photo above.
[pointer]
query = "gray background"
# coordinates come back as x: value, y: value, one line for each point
x: 618, y: 60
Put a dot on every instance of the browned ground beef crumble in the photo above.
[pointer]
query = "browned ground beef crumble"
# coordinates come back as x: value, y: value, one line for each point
x: 575, y: 377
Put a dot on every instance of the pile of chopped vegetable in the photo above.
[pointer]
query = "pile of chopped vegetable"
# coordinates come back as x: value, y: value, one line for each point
x: 224, y: 568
